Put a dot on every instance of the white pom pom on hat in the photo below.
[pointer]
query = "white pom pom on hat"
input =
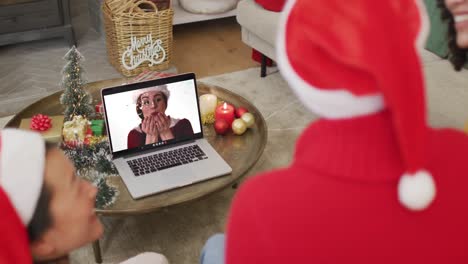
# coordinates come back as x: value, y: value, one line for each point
x: 22, y: 165
x: 341, y: 68
x: 416, y: 191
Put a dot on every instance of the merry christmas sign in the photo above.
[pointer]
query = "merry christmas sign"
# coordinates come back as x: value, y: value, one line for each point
x: 141, y: 50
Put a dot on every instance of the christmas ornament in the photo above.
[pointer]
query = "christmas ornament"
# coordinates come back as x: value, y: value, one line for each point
x: 96, y: 140
x: 239, y: 126
x: 97, y: 126
x: 53, y: 134
x: 249, y: 119
x: 74, y: 98
x: 208, y: 104
x: 240, y: 111
x: 225, y: 111
x: 75, y: 129
x: 40, y: 122
x: 99, y: 108
x: 221, y: 127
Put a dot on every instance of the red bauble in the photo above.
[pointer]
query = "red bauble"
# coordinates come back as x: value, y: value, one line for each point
x: 240, y: 111
x: 221, y: 126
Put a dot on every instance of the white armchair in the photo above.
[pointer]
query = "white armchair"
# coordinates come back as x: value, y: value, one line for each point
x: 259, y: 29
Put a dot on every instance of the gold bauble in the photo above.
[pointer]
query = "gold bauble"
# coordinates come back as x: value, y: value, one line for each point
x: 238, y: 126
x: 208, y: 118
x: 249, y: 119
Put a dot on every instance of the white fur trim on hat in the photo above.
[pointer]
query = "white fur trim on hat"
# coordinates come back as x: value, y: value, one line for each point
x: 22, y: 163
x: 416, y: 191
x: 161, y: 88
x: 333, y: 104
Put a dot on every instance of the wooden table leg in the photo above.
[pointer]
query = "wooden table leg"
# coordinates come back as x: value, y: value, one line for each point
x: 97, y: 251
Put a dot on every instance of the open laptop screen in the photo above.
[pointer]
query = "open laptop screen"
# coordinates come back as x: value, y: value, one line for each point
x: 152, y: 114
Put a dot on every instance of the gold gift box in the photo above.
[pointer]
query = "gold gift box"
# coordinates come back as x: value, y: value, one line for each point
x: 75, y: 129
x: 53, y: 134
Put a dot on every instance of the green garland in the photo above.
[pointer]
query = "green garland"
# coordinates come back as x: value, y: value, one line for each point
x: 93, y: 163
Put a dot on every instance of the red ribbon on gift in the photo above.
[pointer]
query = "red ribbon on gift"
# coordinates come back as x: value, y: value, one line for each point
x: 40, y: 122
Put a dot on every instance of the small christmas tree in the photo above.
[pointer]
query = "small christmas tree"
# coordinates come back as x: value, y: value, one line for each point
x: 75, y: 99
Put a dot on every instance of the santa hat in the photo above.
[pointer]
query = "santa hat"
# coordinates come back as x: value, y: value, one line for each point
x: 161, y: 88
x: 349, y: 60
x: 14, y: 244
x: 22, y: 163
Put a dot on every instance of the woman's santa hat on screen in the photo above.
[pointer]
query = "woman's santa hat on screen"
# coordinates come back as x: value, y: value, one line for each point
x: 22, y: 165
x: 350, y: 60
x: 161, y: 88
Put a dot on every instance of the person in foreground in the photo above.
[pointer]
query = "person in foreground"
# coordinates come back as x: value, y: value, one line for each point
x: 50, y: 209
x: 370, y: 181
x: 455, y: 12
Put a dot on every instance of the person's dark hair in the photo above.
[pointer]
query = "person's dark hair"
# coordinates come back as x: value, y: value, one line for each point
x: 138, y: 105
x: 41, y: 220
x: 457, y: 56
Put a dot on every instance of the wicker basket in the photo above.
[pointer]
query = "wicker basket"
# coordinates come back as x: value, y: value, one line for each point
x: 138, y: 36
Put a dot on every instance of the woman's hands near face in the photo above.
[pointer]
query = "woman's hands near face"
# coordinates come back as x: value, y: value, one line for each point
x: 163, y: 123
x: 157, y: 125
x: 148, y: 125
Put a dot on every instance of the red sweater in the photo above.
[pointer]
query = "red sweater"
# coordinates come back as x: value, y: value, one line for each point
x: 337, y: 202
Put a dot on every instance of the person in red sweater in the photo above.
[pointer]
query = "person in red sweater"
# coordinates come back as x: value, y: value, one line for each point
x: 156, y: 126
x: 370, y: 181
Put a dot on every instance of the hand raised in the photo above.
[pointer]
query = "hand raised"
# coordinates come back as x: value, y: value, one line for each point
x: 148, y: 125
x: 163, y: 123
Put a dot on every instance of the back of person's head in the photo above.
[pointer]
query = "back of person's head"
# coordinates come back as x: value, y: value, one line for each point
x: 346, y: 61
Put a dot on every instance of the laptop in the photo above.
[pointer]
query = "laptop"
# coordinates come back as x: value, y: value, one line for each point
x: 155, y: 135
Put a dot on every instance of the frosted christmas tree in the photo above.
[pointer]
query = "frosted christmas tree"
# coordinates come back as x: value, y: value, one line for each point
x: 75, y: 99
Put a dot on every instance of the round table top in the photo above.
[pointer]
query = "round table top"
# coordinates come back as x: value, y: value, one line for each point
x: 240, y: 152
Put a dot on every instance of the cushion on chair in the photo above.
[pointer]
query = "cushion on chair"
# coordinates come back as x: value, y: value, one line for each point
x: 208, y: 6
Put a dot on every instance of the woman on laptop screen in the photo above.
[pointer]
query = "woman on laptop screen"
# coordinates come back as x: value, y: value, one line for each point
x: 156, y: 126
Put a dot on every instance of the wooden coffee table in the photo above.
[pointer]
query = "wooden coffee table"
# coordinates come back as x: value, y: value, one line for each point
x: 240, y: 152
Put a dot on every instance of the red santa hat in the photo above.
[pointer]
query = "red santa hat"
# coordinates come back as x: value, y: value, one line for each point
x: 14, y: 244
x: 22, y: 163
x: 345, y: 60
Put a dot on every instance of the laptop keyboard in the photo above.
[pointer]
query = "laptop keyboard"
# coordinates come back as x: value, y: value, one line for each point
x: 165, y: 160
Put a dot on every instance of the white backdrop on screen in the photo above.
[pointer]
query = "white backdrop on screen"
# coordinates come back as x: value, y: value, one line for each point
x: 122, y: 115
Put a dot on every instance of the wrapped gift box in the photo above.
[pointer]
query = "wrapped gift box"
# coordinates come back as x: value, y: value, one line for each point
x: 53, y: 134
x: 75, y: 129
x: 97, y: 126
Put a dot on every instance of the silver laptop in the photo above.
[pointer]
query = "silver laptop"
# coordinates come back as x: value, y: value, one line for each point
x: 156, y: 137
